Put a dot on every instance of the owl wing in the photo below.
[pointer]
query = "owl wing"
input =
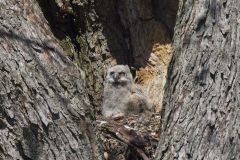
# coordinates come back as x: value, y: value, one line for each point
x: 139, y: 97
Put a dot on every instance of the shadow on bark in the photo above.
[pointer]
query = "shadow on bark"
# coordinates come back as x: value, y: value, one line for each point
x: 39, y: 47
x: 30, y: 147
x: 132, y: 28
x: 130, y: 44
x: 35, y: 45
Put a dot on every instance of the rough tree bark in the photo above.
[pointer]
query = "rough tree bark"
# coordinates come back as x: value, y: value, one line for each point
x: 201, y: 117
x: 44, y: 109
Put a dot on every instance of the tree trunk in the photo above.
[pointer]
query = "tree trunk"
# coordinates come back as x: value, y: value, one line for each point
x: 45, y: 112
x: 201, y: 117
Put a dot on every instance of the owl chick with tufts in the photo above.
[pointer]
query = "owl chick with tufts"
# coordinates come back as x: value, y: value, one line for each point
x: 121, y: 96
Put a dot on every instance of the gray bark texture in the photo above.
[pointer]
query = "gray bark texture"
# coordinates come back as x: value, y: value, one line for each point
x: 201, y: 105
x: 45, y: 111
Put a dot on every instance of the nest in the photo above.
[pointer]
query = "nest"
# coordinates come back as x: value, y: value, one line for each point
x: 132, y: 137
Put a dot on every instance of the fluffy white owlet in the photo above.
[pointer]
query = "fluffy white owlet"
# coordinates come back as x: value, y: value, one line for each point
x: 121, y: 95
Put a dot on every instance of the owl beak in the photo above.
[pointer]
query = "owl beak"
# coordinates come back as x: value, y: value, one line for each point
x: 116, y: 76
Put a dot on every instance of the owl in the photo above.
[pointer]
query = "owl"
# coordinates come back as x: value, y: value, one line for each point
x: 121, y: 96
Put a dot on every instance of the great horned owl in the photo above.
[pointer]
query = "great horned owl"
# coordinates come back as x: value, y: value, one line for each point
x: 121, y: 95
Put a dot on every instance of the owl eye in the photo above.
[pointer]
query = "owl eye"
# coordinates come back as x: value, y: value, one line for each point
x: 111, y: 73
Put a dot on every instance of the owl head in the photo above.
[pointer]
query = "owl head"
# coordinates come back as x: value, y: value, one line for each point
x: 119, y: 75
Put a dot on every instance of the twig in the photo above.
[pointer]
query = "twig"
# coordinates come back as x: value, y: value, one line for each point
x: 125, y: 134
